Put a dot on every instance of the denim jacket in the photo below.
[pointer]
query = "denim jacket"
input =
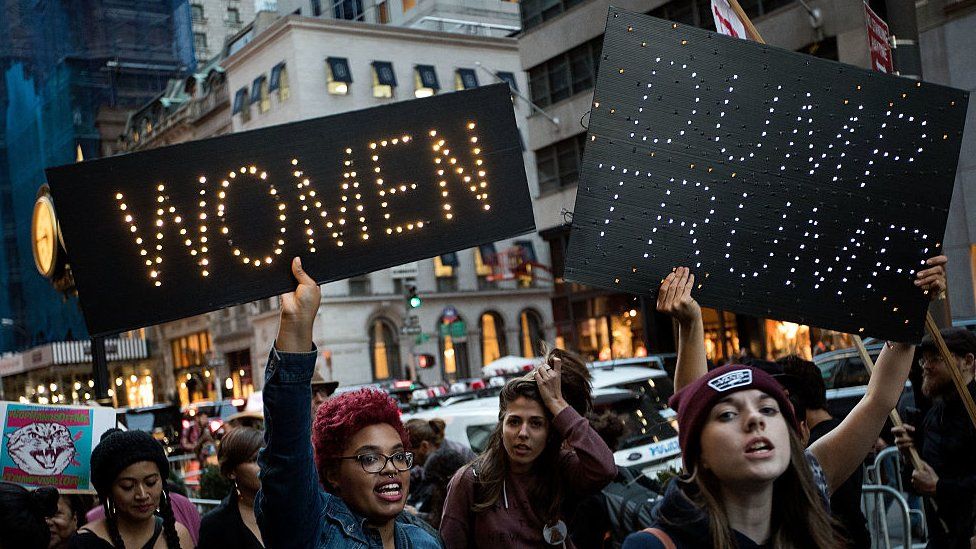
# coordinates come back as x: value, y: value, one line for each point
x: 292, y: 509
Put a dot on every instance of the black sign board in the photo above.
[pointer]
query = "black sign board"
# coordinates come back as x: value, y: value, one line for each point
x: 794, y: 187
x: 172, y: 232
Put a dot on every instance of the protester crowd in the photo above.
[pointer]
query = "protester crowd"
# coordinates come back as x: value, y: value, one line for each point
x: 764, y: 463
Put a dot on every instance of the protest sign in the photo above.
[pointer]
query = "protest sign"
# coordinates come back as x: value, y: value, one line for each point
x: 795, y: 188
x: 172, y: 232
x: 50, y: 445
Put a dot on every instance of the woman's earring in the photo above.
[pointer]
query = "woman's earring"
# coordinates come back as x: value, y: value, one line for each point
x: 110, y: 508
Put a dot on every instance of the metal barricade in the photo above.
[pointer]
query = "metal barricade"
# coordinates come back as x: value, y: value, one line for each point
x: 873, y: 492
x: 204, y: 505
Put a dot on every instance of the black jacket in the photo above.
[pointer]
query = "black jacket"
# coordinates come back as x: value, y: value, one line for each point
x: 845, y: 502
x: 949, y: 446
x: 685, y: 522
x: 224, y: 527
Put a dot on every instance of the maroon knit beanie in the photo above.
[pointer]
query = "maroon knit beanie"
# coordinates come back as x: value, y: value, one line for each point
x: 694, y: 402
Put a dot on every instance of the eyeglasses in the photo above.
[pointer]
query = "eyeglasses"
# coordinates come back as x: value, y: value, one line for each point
x: 922, y: 361
x: 375, y: 463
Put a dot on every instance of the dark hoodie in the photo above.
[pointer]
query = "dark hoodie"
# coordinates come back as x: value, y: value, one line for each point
x: 684, y: 521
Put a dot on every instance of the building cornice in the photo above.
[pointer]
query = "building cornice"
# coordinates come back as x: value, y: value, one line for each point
x: 365, y: 30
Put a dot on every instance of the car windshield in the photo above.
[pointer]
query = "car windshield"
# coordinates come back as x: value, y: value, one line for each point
x: 643, y: 421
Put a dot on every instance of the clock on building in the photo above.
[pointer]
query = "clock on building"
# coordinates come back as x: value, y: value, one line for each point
x: 48, y: 244
x: 44, y: 234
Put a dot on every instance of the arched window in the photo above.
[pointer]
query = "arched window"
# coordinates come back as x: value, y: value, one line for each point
x: 530, y: 332
x: 493, y: 344
x: 384, y: 349
x: 453, y: 344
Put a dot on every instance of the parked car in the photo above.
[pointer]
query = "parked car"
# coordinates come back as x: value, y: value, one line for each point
x: 846, y: 379
x: 637, y: 393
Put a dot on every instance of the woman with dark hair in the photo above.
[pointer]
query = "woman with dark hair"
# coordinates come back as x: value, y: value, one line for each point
x: 128, y: 470
x: 232, y: 523
x: 70, y: 516
x: 350, y: 493
x: 22, y: 516
x: 748, y: 482
x: 542, y: 456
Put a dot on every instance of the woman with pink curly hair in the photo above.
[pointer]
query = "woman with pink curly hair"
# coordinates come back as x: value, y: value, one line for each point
x: 349, y: 494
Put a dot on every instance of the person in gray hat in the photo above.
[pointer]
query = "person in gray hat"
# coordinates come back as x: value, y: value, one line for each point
x: 946, y: 442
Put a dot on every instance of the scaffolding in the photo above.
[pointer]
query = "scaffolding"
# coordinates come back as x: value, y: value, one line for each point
x: 69, y: 74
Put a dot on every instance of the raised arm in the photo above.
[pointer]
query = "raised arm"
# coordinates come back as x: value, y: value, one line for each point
x: 674, y: 299
x: 842, y: 450
x: 289, y: 505
x: 589, y: 466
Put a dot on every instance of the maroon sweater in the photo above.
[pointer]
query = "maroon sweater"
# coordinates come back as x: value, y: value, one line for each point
x: 584, y: 469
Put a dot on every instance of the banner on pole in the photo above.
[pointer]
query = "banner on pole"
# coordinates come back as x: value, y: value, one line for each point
x: 50, y: 445
x: 879, y: 41
x: 177, y: 231
x: 795, y: 188
x: 727, y: 22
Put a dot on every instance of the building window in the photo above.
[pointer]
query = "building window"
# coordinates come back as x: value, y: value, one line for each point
x: 445, y: 270
x: 241, y: 105
x: 534, y: 12
x: 196, y: 13
x: 316, y: 8
x: 425, y: 81
x: 191, y: 367
x: 350, y: 10
x: 530, y: 332
x: 384, y: 79
x: 360, y: 285
x: 485, y: 258
x: 559, y: 164
x: 465, y: 79
x: 510, y: 78
x: 200, y: 43
x: 259, y: 93
x: 493, y: 345
x: 234, y: 16
x: 384, y: 349
x: 453, y: 347
x: 382, y: 13
x: 566, y: 74
x: 279, y: 81
x: 408, y: 5
x: 339, y: 76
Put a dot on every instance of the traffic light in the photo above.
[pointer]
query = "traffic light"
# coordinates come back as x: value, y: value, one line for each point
x: 412, y: 298
x: 425, y: 361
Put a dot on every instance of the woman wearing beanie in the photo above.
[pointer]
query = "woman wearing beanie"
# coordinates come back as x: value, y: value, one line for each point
x: 747, y: 480
x: 542, y: 456
x: 232, y: 523
x: 128, y: 470
x: 22, y: 516
x: 350, y: 493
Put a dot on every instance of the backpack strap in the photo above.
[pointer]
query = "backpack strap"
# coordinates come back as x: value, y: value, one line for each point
x: 662, y: 536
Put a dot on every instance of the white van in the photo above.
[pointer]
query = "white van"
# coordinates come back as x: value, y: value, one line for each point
x: 639, y: 395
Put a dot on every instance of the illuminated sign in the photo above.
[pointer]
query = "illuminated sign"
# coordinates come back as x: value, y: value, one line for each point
x: 172, y: 232
x: 794, y: 187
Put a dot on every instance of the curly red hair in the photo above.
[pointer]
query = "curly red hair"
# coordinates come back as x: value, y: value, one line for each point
x: 342, y: 416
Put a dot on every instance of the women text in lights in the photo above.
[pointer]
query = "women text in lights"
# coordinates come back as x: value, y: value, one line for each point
x: 351, y: 221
